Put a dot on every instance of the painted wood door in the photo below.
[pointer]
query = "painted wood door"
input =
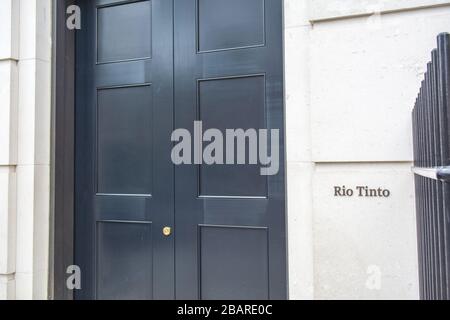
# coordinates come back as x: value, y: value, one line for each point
x: 145, y: 68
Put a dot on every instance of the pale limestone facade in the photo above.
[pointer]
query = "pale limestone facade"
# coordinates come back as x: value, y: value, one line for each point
x: 25, y: 126
x: 352, y: 71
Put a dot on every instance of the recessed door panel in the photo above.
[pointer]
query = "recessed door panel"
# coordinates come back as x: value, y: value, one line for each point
x: 125, y: 152
x: 124, y: 31
x: 124, y: 261
x: 233, y: 103
x: 230, y: 24
x: 234, y: 263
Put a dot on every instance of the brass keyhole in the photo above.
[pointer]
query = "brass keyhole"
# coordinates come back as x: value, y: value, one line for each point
x: 167, y: 231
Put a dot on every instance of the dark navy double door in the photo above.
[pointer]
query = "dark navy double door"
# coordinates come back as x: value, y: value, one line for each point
x: 145, y: 228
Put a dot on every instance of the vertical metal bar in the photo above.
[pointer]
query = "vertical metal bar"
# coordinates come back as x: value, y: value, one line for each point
x: 444, y: 109
x: 431, y: 194
x: 420, y: 198
x: 438, y: 214
x: 423, y: 192
x: 433, y: 186
x: 426, y: 194
x: 417, y: 192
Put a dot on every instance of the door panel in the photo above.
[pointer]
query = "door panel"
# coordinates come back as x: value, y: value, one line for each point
x: 124, y: 174
x: 231, y: 24
x: 219, y: 101
x: 124, y: 248
x: 234, y: 263
x: 124, y: 152
x: 132, y: 22
x: 144, y: 68
x: 230, y: 220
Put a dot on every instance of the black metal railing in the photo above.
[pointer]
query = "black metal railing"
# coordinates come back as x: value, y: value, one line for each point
x: 431, y: 133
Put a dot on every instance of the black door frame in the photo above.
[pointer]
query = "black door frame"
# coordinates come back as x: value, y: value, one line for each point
x: 63, y: 152
x: 63, y: 155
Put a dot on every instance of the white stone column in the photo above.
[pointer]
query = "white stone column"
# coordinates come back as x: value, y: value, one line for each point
x: 33, y: 165
x: 9, y: 28
x: 300, y: 167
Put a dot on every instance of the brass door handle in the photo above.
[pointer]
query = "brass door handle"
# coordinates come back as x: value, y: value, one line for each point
x: 167, y: 231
